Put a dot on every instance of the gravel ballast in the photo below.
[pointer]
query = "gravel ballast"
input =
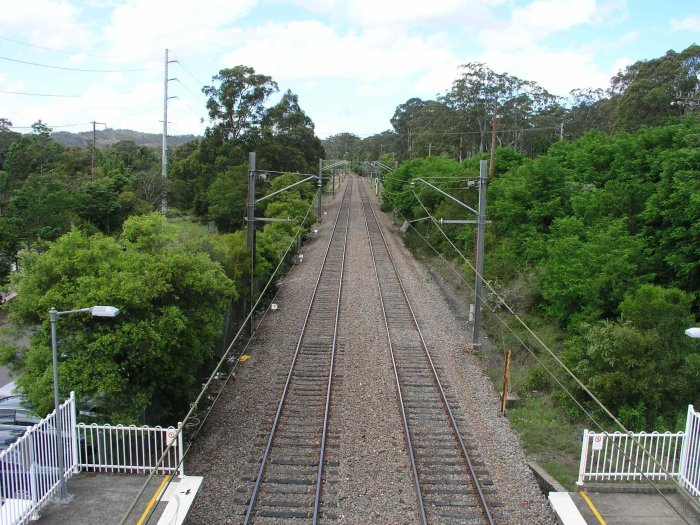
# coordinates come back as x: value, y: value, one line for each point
x: 372, y: 481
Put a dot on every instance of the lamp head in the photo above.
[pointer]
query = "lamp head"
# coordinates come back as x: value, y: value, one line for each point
x: 104, y: 311
x: 693, y: 332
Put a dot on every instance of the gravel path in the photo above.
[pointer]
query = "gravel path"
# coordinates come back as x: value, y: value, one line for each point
x: 372, y: 483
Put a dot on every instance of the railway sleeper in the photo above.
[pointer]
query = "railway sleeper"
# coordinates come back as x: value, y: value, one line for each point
x: 452, y: 502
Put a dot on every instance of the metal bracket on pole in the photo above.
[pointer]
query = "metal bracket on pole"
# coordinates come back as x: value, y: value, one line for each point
x: 481, y: 223
x: 459, y: 221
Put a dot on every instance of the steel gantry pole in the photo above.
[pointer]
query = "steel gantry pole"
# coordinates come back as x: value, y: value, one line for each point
x: 320, y: 187
x: 481, y: 223
x: 481, y: 229
x: 250, y: 219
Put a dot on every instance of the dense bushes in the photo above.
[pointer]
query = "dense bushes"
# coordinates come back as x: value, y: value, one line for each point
x: 609, y: 224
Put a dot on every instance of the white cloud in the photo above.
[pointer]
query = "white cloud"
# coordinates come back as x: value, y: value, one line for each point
x: 537, y: 21
x: 390, y: 12
x: 310, y: 51
x: 439, y: 78
x: 144, y: 28
x: 557, y: 71
x: 689, y: 23
x: 48, y: 23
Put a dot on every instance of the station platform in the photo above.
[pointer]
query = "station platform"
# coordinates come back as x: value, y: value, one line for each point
x: 622, y: 508
x: 104, y: 499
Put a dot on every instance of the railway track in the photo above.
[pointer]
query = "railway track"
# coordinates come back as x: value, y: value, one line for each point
x: 447, y: 481
x: 289, y: 482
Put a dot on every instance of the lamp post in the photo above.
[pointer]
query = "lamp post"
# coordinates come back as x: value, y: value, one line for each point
x: 96, y: 311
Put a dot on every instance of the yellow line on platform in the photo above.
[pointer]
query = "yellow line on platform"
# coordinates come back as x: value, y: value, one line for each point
x: 152, y: 502
x: 592, y: 507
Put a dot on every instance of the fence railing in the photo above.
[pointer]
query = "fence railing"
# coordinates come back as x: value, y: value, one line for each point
x: 690, y: 465
x: 633, y: 457
x: 29, y: 466
x: 132, y: 449
x: 630, y: 457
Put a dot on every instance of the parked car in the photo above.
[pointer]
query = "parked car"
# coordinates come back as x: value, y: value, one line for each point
x: 28, y: 463
x: 15, y: 410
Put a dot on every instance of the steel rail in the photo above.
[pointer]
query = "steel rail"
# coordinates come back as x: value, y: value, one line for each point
x: 280, y: 406
x: 472, y: 471
x: 407, y: 432
x: 317, y: 498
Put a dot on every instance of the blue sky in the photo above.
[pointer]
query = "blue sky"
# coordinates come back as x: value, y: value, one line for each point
x: 350, y: 61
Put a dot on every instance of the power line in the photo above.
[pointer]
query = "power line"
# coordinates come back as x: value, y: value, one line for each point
x: 56, y: 126
x: 83, y: 70
x: 65, y: 52
x: 179, y: 62
x: 38, y: 94
x: 200, y: 96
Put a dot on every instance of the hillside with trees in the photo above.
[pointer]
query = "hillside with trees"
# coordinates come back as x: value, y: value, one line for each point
x: 458, y: 122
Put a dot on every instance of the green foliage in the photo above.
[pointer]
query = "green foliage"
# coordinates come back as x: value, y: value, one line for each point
x: 588, y: 270
x: 227, y: 198
x: 642, y: 367
x: 236, y: 105
x: 647, y: 88
x: 43, y: 208
x: 172, y: 302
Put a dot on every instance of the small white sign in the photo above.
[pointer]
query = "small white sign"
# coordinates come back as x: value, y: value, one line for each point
x: 171, y: 437
x: 598, y: 443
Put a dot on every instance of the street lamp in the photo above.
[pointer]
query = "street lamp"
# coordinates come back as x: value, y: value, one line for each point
x: 96, y: 311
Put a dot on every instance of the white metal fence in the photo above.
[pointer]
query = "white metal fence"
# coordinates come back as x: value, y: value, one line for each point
x: 634, y: 457
x: 132, y: 450
x: 629, y: 457
x: 690, y: 457
x: 28, y: 467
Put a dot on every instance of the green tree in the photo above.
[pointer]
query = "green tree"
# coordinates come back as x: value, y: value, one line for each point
x: 43, y: 208
x: 647, y: 88
x: 587, y: 271
x: 227, y: 198
x: 642, y: 367
x: 172, y: 303
x: 236, y: 104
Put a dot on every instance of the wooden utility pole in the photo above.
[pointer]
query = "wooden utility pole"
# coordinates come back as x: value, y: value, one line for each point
x: 506, y: 382
x: 493, y: 138
x: 94, y: 142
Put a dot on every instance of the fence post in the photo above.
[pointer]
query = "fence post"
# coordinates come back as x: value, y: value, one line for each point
x: 685, y: 450
x: 180, y: 454
x: 33, y: 488
x: 74, y: 433
x: 584, y: 455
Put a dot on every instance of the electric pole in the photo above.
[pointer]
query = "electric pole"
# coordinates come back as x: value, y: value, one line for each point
x: 94, y: 142
x: 164, y: 161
